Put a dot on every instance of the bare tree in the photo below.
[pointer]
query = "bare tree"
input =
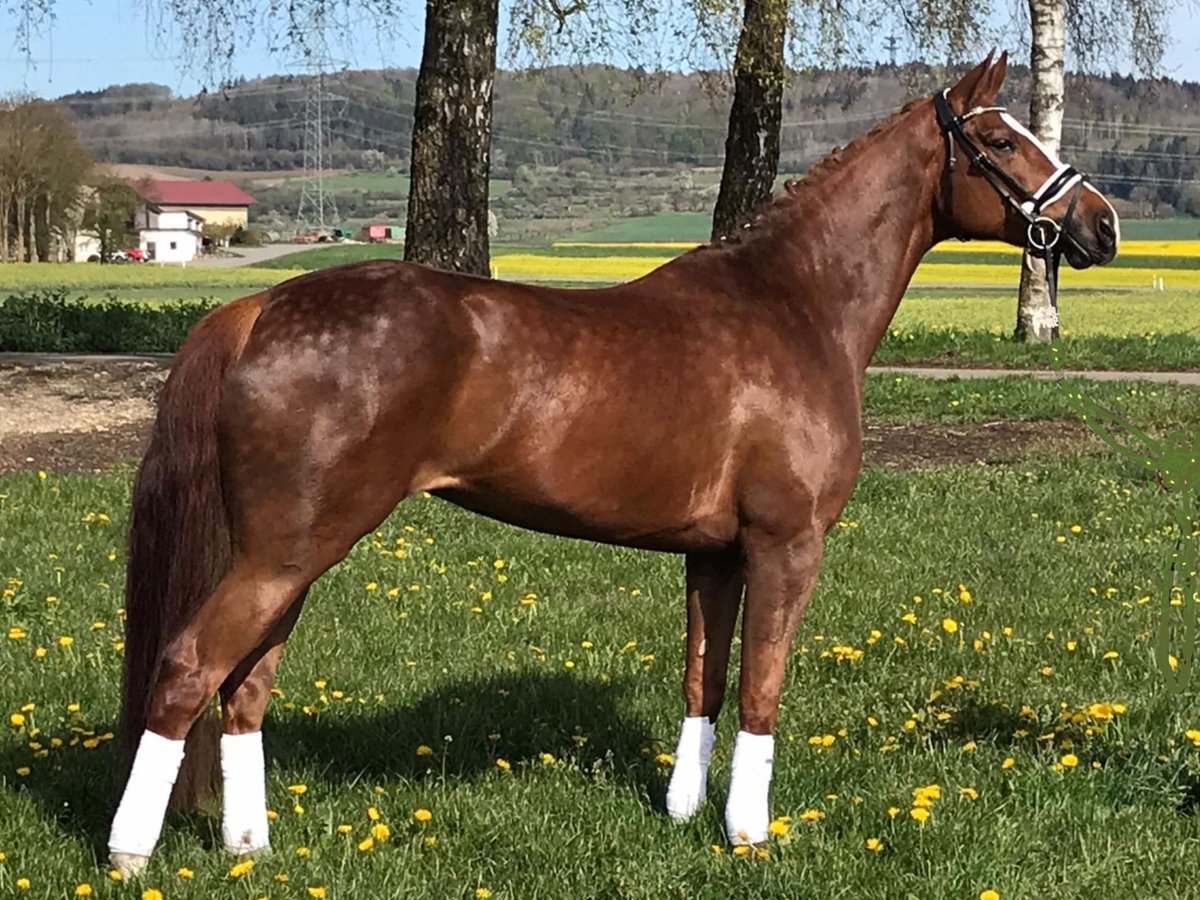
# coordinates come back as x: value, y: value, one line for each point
x: 42, y: 167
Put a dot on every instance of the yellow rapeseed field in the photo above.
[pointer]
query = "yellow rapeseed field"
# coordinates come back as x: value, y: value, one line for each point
x: 546, y: 267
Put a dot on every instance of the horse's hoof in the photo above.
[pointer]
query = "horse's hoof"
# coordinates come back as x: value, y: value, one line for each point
x: 130, y: 865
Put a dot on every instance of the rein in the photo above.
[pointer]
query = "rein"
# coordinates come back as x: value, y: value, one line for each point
x: 1043, y: 233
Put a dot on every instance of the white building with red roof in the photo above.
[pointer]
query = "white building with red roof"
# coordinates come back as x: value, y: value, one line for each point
x: 216, y: 202
x: 171, y: 221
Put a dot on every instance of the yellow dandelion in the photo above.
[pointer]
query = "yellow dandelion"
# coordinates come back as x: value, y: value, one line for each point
x: 152, y: 894
x: 482, y: 893
x: 949, y: 626
x: 422, y: 815
x: 811, y: 815
x: 372, y: 814
x: 185, y: 872
x: 989, y: 894
x: 16, y: 720
x: 344, y: 829
x: 317, y: 892
x: 298, y: 789
x: 778, y: 827
x: 424, y: 750
x: 874, y: 844
x: 741, y: 850
x: 366, y: 844
x: 893, y: 811
x: 1008, y: 763
x: 919, y: 813
x: 380, y: 832
x: 66, y: 641
x: 237, y: 870
x: 83, y: 890
x: 1069, y: 761
x: 503, y: 765
x: 22, y: 884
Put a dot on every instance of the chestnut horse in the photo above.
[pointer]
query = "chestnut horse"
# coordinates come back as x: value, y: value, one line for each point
x: 712, y: 408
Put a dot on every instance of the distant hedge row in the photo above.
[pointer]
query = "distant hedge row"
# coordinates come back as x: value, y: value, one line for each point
x: 53, y: 322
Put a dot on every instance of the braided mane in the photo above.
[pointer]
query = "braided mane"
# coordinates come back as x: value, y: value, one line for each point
x: 795, y: 188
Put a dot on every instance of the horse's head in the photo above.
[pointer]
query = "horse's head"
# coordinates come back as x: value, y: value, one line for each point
x: 1001, y: 183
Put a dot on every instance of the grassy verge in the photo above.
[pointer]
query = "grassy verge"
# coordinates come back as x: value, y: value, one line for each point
x: 1174, y: 352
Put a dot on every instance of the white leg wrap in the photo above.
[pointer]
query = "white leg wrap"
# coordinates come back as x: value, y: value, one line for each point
x: 244, y: 824
x: 139, y: 818
x: 747, y: 813
x: 689, y: 779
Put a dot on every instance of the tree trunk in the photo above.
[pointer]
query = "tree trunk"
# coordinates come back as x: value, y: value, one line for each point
x: 5, y: 214
x: 752, y: 142
x: 1037, y: 320
x: 452, y: 133
x: 22, y: 225
x: 41, y: 227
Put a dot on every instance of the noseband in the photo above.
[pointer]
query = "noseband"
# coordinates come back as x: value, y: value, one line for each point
x: 1043, y: 232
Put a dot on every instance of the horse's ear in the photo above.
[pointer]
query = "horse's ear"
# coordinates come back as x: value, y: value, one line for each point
x: 991, y: 82
x: 970, y: 88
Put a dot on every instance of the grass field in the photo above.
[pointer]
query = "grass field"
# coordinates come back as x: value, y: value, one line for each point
x: 542, y: 675
x: 697, y: 227
x: 981, y: 265
x: 16, y: 277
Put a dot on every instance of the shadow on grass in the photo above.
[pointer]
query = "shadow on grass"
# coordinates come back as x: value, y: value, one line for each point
x: 468, y: 725
x: 516, y: 718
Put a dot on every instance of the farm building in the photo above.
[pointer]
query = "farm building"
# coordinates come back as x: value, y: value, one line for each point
x: 381, y: 231
x: 214, y: 202
x: 168, y: 235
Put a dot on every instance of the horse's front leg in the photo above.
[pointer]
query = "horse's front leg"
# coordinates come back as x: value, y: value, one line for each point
x: 714, y: 593
x: 780, y: 575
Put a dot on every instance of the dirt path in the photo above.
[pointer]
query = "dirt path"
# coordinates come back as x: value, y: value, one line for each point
x: 75, y: 416
x: 87, y: 413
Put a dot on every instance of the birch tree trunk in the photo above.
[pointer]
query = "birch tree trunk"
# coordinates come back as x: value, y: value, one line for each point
x: 1037, y: 320
x: 451, y: 143
x: 752, y: 142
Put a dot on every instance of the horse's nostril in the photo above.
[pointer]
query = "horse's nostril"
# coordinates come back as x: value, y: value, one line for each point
x: 1105, y: 230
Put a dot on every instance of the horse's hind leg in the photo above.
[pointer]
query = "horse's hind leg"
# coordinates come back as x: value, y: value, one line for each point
x: 714, y: 594
x: 244, y: 698
x: 248, y: 604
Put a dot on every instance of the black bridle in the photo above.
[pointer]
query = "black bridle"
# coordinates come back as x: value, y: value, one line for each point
x: 1044, y: 234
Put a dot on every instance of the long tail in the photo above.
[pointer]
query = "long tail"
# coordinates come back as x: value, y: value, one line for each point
x: 179, y: 532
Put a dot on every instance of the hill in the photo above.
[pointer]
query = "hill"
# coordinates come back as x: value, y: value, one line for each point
x: 576, y: 137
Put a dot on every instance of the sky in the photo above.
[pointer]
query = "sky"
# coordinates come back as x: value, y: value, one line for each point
x: 94, y: 44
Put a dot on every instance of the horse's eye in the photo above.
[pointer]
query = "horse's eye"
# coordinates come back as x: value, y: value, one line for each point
x: 1004, y: 145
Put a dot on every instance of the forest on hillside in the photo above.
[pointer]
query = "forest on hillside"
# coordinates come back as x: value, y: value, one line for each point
x: 1139, y: 138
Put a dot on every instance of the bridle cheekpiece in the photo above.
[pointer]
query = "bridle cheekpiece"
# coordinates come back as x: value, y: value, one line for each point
x: 1043, y: 232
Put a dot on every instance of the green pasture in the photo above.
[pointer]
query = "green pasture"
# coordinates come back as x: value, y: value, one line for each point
x: 698, y: 227
x: 385, y: 183
x: 982, y: 628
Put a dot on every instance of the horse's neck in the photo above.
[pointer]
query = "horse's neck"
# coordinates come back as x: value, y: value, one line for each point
x: 858, y: 255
